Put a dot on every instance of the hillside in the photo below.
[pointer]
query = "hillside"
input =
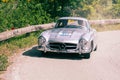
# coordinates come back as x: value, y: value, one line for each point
x: 21, y: 13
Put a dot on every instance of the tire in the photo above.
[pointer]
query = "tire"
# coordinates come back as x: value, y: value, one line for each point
x: 95, y: 48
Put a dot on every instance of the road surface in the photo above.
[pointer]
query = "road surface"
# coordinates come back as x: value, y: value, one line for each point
x: 104, y: 64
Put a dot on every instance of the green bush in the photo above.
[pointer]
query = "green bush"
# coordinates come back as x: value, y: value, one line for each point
x: 21, y: 13
x: 3, y: 62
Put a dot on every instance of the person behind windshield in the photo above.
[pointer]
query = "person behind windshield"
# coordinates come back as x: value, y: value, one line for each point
x: 61, y: 23
x: 81, y: 23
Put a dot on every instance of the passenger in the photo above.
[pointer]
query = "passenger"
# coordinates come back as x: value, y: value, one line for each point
x: 81, y: 23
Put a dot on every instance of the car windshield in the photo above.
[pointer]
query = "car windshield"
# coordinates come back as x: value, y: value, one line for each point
x: 69, y: 23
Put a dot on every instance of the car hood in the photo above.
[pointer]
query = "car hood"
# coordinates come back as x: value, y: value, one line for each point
x: 66, y: 34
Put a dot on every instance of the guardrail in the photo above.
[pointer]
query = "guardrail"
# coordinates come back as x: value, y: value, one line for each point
x: 12, y: 33
x: 103, y: 22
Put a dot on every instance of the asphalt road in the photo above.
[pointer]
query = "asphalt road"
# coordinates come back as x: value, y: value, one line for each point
x: 104, y: 64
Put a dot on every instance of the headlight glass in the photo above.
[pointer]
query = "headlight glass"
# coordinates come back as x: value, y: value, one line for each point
x: 41, y: 40
x: 84, y: 44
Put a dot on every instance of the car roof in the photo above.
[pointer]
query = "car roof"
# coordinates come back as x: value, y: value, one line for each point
x: 78, y: 18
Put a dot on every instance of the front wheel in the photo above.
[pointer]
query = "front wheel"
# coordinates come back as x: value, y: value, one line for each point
x: 95, y: 48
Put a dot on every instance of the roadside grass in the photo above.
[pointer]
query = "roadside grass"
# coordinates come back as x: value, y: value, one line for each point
x: 14, y: 45
x: 101, y: 28
x: 3, y: 62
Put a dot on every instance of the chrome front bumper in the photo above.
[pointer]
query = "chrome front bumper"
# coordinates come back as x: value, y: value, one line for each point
x: 45, y: 49
x: 57, y: 51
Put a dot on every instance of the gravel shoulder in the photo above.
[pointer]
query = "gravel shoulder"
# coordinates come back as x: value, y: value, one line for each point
x: 103, y: 64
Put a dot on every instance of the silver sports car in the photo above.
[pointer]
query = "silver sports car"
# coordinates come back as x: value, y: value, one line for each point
x: 70, y: 35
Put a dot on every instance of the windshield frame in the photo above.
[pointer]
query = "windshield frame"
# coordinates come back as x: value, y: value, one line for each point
x: 63, y: 23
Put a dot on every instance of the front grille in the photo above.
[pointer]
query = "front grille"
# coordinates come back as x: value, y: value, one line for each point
x: 62, y: 46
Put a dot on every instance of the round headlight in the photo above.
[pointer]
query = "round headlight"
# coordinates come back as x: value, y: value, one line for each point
x: 41, y: 40
x: 84, y: 44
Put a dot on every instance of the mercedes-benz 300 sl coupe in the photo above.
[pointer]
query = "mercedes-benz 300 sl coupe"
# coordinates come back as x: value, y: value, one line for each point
x: 70, y: 35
